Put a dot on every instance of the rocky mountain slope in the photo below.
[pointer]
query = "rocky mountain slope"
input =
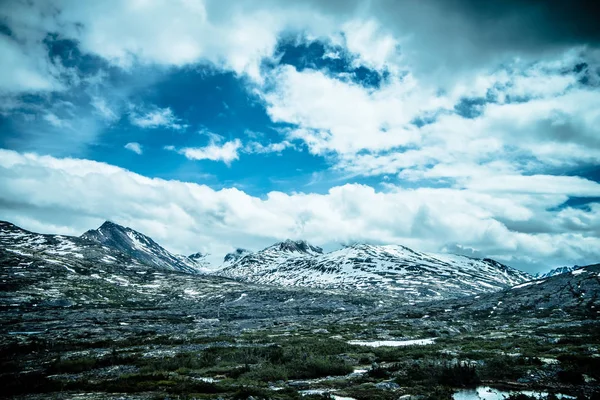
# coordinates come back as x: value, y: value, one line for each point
x: 555, y: 271
x: 142, y: 248
x: 53, y: 272
x: 392, y: 269
x: 111, y: 244
x: 576, y: 294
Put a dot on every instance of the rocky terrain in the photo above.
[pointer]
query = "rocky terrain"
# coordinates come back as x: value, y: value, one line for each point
x: 395, y: 270
x: 84, y: 320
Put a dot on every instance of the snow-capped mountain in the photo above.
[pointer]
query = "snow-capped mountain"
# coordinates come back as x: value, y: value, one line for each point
x: 142, y: 248
x: 393, y: 269
x: 556, y: 271
x: 232, y: 257
x: 58, y: 249
x: 197, y: 261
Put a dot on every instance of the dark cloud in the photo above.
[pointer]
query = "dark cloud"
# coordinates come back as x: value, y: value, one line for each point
x: 447, y: 37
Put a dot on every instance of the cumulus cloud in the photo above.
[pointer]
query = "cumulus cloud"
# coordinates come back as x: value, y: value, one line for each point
x: 73, y: 195
x: 135, y: 147
x: 156, y: 118
x: 531, y: 118
x: 226, y: 152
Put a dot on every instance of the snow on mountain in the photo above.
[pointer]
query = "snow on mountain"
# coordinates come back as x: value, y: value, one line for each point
x: 556, y: 271
x: 140, y: 247
x: 393, y: 269
x: 58, y: 249
x: 232, y: 257
x: 197, y: 261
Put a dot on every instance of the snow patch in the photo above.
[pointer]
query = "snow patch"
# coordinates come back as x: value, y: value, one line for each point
x: 393, y: 343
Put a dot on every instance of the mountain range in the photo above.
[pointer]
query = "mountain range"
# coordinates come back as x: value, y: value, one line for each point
x: 396, y: 270
x: 391, y: 269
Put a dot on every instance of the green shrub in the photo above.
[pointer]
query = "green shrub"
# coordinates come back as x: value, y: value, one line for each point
x: 436, y: 374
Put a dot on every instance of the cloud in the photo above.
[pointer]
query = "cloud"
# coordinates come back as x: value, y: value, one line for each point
x: 55, y: 121
x: 21, y: 71
x: 135, y: 147
x: 103, y: 109
x: 259, y: 148
x: 227, y: 152
x: 531, y: 118
x: 72, y: 195
x: 156, y: 118
x: 438, y: 40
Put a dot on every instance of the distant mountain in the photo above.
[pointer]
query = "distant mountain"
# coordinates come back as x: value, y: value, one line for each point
x: 67, y: 253
x: 573, y: 293
x: 396, y: 270
x: 232, y: 257
x: 141, y: 248
x: 556, y: 271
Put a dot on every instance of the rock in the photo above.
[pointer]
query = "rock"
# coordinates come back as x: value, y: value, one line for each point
x: 387, y: 386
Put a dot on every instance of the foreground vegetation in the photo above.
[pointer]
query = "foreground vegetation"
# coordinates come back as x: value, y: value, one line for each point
x: 284, y: 363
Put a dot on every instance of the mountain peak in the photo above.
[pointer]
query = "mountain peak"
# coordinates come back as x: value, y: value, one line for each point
x: 235, y: 255
x: 138, y: 246
x: 296, y: 246
x: 197, y: 256
x: 109, y: 225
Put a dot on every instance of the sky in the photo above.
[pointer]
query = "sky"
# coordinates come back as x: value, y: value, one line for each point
x: 446, y: 126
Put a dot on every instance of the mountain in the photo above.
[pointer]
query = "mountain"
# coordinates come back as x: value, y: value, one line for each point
x: 40, y: 272
x: 58, y: 249
x: 232, y: 257
x: 198, y: 260
x: 555, y: 271
x: 141, y: 248
x: 575, y: 294
x: 392, y: 269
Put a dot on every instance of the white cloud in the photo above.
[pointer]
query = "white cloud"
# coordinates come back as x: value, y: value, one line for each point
x: 74, y: 195
x: 23, y: 72
x: 259, y: 148
x: 103, y: 109
x: 182, y: 32
x: 135, y: 147
x: 345, y: 117
x: 227, y: 152
x: 55, y: 121
x: 159, y: 117
x: 370, y: 131
x: 376, y: 49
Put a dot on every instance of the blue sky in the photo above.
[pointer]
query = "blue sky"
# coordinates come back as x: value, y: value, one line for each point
x: 212, y: 126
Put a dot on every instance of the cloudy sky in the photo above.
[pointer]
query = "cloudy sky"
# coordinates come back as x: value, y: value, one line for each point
x: 450, y: 126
